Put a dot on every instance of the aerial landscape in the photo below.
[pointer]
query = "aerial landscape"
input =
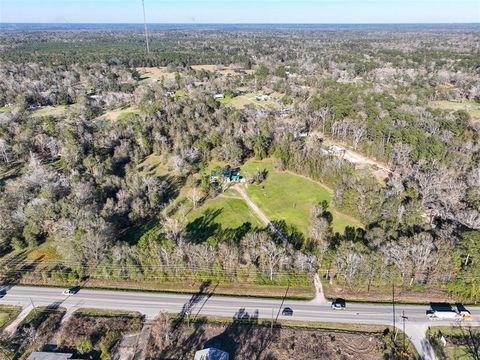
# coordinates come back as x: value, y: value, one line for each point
x: 236, y: 187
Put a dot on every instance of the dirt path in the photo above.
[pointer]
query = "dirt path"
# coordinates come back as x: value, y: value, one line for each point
x: 417, y: 335
x: 357, y: 158
x: 319, y: 295
x: 259, y: 212
x: 10, y: 329
x: 142, y: 342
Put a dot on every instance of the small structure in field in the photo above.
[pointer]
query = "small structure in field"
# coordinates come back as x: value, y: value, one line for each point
x: 335, y: 150
x: 301, y: 134
x: 211, y: 354
x: 226, y: 174
x: 262, y: 97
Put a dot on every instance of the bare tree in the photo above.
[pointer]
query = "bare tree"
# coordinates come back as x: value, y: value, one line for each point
x: 161, y: 330
x: 358, y: 131
x: 272, y: 255
x: 95, y: 242
x: 4, y: 149
x: 175, y: 227
x: 195, y: 196
x: 471, y: 340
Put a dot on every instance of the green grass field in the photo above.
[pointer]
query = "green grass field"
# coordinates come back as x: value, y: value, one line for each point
x: 472, y: 107
x: 239, y: 102
x: 119, y: 114
x: 225, y: 100
x: 457, y: 352
x: 222, y: 215
x: 8, y: 313
x: 55, y: 111
x: 154, y: 165
x: 289, y: 197
x: 180, y: 93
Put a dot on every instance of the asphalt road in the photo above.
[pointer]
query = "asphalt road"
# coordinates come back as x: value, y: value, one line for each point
x: 150, y: 304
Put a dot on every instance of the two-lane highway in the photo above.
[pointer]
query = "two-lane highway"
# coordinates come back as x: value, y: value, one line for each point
x: 150, y: 304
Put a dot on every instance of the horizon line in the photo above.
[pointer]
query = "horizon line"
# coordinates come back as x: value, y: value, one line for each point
x: 244, y: 23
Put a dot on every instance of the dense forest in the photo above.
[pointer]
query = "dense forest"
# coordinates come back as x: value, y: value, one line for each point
x: 406, y: 97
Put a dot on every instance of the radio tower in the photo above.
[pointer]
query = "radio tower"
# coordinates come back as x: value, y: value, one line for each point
x: 145, y: 23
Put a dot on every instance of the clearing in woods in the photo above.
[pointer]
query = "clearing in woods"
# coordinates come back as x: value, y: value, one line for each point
x: 470, y: 106
x: 290, y: 197
x: 55, y: 111
x: 222, y: 70
x: 119, y: 114
x: 155, y: 73
x: 239, y: 102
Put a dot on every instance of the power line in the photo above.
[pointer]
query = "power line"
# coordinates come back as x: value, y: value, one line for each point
x: 142, y: 267
x: 162, y: 267
x: 167, y: 272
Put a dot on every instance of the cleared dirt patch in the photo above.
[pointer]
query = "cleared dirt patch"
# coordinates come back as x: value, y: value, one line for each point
x: 91, y: 333
x: 222, y: 70
x: 37, y: 329
x: 249, y: 340
x: 155, y: 73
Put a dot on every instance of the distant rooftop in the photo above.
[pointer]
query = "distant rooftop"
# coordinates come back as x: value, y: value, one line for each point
x: 211, y: 354
x: 49, y: 356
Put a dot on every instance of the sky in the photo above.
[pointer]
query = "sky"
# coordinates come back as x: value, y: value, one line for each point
x: 241, y: 11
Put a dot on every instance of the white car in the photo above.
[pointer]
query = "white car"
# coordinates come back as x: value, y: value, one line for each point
x: 70, y: 292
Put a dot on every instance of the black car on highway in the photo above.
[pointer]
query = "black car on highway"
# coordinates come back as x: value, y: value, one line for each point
x: 339, y: 304
x: 287, y: 311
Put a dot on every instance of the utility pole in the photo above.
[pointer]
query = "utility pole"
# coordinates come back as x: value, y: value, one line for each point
x: 404, y: 318
x: 271, y: 325
x: 393, y: 308
x: 33, y: 306
x: 145, y: 25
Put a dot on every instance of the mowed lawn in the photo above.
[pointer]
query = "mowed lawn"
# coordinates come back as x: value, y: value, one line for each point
x: 226, y: 211
x: 289, y: 197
